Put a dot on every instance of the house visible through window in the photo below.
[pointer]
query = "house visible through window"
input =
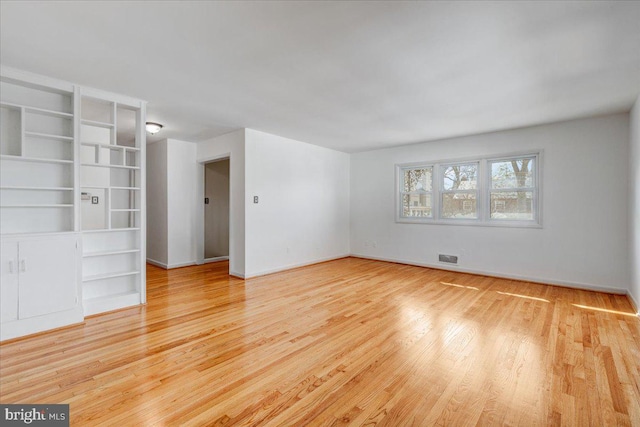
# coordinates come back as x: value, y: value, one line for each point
x: 459, y: 191
x: 512, y: 188
x: 417, y: 192
x: 499, y: 190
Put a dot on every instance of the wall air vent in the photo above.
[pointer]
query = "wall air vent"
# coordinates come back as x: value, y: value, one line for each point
x: 451, y: 259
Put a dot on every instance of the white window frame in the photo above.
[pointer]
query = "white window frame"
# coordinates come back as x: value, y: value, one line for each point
x: 483, y: 192
x: 535, y: 190
x: 442, y: 167
x: 400, y: 192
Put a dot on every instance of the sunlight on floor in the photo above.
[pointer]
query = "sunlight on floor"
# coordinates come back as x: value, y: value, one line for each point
x: 604, y: 310
x: 459, y: 286
x: 523, y: 296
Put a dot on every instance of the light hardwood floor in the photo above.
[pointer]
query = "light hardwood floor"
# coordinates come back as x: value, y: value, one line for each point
x: 347, y: 342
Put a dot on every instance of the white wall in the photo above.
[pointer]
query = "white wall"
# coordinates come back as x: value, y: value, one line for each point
x: 94, y: 216
x: 157, y: 227
x: 584, y: 239
x: 182, y: 202
x: 231, y: 145
x: 171, y: 203
x: 634, y: 205
x: 303, y: 212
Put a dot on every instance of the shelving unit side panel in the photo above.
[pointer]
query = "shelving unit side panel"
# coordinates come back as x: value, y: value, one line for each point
x: 141, y: 144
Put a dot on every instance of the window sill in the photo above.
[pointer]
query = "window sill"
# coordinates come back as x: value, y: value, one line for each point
x: 475, y: 223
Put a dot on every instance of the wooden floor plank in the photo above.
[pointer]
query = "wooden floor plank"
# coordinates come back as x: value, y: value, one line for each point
x: 346, y: 342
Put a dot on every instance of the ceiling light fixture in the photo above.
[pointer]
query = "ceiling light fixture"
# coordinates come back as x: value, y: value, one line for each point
x: 153, y: 128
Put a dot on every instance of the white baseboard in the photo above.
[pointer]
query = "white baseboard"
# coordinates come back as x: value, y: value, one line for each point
x: 634, y: 303
x: 182, y: 264
x: 235, y: 274
x: 33, y: 325
x: 292, y: 266
x: 215, y: 259
x: 157, y: 263
x: 544, y: 281
x: 169, y: 266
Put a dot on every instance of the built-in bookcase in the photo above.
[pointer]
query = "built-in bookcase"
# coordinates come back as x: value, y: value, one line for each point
x: 111, y: 163
x: 37, y: 155
x: 72, y: 181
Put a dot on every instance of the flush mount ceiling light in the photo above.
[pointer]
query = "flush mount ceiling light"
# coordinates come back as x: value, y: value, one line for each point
x: 153, y: 128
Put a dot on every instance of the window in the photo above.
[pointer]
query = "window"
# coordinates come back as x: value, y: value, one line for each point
x: 491, y: 191
x: 459, y: 191
x: 512, y: 188
x: 417, y: 192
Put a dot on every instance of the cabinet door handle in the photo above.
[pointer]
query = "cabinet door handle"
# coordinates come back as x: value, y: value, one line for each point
x: 23, y: 265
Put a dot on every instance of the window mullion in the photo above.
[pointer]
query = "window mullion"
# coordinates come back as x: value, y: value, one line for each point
x: 480, y: 193
x: 437, y: 214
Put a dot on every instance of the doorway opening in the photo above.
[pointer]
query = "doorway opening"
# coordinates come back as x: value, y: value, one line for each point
x: 216, y: 210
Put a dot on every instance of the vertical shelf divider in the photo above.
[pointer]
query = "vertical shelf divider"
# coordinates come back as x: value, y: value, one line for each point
x: 108, y: 207
x: 77, y: 203
x: 141, y: 144
x: 23, y: 124
x: 114, y: 121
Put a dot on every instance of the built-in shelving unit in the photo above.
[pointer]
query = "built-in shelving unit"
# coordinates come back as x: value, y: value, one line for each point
x: 36, y: 157
x: 111, y: 152
x: 72, y: 177
x: 40, y: 257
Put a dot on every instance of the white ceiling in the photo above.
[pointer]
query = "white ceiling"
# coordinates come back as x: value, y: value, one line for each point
x: 346, y: 75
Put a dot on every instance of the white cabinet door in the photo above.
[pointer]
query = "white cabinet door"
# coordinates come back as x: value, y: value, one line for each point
x: 8, y: 281
x: 47, y: 276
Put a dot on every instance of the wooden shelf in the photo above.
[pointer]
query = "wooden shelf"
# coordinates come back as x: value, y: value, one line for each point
x: 109, y: 146
x: 40, y: 233
x: 109, y: 275
x: 107, y: 253
x: 33, y: 159
x: 36, y: 110
x: 38, y: 206
x: 97, y: 123
x: 11, y: 105
x: 104, y: 187
x: 11, y: 187
x: 111, y: 230
x: 110, y: 166
x: 49, y: 136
